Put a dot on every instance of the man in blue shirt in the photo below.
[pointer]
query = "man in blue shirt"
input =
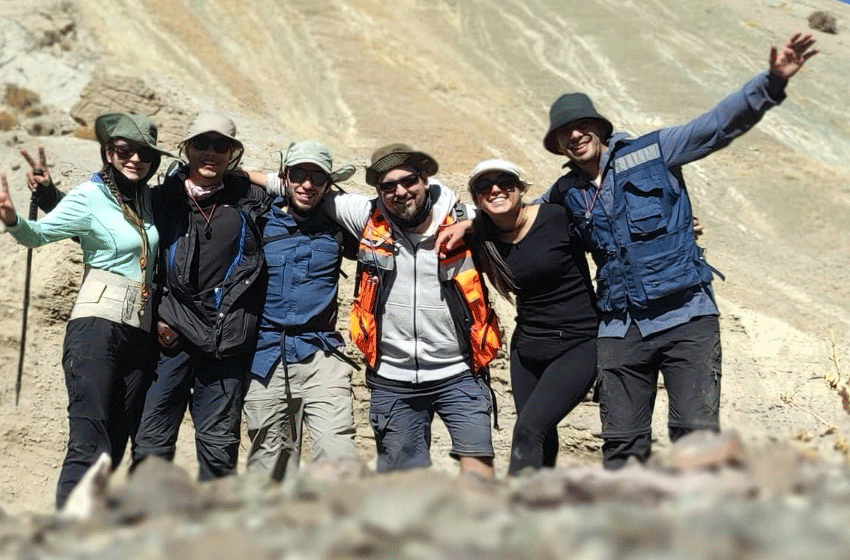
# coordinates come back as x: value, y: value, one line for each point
x: 299, y: 374
x: 628, y: 202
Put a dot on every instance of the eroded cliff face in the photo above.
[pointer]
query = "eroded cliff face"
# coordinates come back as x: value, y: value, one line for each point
x: 474, y: 79
x: 464, y: 80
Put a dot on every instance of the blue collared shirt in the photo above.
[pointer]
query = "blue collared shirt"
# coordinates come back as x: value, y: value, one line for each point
x: 301, y: 301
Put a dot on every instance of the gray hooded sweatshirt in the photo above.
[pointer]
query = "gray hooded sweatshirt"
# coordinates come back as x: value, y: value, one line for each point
x: 418, y: 339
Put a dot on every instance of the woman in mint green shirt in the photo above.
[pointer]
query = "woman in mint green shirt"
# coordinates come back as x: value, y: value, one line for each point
x: 109, y: 352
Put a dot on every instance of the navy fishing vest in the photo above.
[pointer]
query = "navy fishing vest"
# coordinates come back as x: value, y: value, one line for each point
x: 645, y: 250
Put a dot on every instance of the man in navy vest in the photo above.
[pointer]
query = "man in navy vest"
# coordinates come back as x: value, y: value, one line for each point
x: 628, y: 202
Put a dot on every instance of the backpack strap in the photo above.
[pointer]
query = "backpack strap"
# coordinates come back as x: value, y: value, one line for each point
x: 459, y: 212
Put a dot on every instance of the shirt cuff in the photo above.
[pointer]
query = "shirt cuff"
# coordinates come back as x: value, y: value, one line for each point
x: 776, y: 87
x: 4, y: 228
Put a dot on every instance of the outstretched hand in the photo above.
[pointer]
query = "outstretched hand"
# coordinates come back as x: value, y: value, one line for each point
x: 785, y: 62
x: 7, y: 208
x: 38, y: 176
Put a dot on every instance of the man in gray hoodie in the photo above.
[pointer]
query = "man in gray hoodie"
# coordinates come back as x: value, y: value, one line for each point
x: 422, y: 320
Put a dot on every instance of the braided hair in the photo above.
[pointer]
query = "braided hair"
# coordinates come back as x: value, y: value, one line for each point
x: 132, y: 213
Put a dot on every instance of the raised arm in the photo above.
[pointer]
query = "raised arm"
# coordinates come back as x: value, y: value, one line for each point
x: 740, y: 111
x: 7, y: 208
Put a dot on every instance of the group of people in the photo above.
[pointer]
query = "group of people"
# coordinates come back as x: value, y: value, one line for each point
x: 216, y: 291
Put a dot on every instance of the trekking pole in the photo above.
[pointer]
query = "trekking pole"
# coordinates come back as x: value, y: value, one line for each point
x: 32, y: 216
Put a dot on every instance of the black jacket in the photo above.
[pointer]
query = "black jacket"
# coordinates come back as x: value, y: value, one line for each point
x: 235, y: 327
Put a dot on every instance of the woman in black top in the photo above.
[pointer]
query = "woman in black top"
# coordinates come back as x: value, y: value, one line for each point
x: 527, y: 252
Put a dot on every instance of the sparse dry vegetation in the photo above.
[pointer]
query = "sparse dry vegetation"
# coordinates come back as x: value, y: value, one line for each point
x: 789, y: 400
x: 85, y: 132
x: 20, y: 98
x: 842, y: 446
x: 8, y: 121
x: 823, y: 21
x: 833, y: 378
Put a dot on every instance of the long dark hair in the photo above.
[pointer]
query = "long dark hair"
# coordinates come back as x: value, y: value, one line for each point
x: 483, y: 244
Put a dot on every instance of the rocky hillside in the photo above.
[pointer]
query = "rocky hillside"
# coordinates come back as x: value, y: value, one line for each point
x: 464, y: 80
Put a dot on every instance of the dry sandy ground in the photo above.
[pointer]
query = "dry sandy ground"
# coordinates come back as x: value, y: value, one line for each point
x: 464, y: 80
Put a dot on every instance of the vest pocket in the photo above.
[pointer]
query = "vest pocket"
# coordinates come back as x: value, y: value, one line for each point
x: 91, y: 292
x: 644, y: 207
x: 661, y: 267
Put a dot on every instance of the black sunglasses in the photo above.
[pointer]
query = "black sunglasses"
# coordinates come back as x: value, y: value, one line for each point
x: 317, y: 177
x: 505, y: 182
x: 406, y: 182
x: 220, y: 144
x: 127, y: 151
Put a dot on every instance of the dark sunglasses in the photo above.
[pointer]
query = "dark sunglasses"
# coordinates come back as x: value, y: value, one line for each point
x: 317, y: 177
x: 406, y: 182
x: 127, y: 151
x: 220, y: 144
x: 506, y: 183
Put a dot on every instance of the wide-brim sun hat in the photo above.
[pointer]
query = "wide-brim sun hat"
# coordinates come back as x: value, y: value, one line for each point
x: 309, y: 151
x: 213, y: 122
x: 391, y: 156
x: 501, y: 165
x: 135, y: 128
x: 568, y: 108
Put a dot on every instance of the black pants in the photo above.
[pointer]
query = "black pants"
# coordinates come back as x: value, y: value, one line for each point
x: 213, y: 390
x: 107, y: 366
x: 550, y: 375
x: 688, y: 356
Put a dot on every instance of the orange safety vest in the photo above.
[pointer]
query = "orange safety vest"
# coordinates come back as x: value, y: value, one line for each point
x: 375, y: 256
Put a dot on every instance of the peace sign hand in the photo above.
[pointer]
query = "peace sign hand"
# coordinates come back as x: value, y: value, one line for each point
x: 7, y: 209
x: 38, y: 177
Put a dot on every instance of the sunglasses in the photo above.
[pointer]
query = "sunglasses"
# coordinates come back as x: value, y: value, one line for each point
x: 406, y: 182
x: 506, y: 183
x: 127, y: 151
x: 220, y: 144
x: 317, y: 177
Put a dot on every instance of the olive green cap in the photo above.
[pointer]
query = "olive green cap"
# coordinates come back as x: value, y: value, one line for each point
x: 135, y: 128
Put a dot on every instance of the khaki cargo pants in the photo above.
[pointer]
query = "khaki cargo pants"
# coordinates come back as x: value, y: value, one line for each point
x: 316, y: 392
